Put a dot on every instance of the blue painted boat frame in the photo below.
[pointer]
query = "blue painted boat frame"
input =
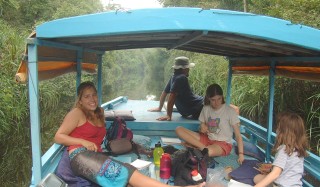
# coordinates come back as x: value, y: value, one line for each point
x: 52, y: 34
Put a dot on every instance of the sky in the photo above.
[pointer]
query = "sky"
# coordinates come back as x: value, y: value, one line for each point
x: 134, y: 4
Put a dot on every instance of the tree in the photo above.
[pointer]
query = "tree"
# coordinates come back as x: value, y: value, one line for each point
x: 298, y: 11
x: 28, y: 13
x: 220, y: 4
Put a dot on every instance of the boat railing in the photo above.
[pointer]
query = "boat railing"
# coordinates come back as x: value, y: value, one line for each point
x: 50, y: 160
x: 113, y: 103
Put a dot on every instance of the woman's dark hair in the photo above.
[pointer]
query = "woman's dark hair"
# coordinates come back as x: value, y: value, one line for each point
x: 213, y: 90
x: 83, y: 85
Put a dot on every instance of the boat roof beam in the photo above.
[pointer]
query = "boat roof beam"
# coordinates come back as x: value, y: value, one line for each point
x: 195, y: 35
x: 41, y: 42
x: 315, y: 59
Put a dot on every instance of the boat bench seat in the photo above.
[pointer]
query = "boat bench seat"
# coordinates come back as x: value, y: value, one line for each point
x: 146, y: 123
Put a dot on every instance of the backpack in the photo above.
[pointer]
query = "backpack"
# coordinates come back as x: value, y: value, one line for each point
x: 118, y: 139
x: 118, y: 129
x: 184, y: 161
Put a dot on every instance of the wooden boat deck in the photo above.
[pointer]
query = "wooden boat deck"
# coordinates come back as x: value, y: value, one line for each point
x: 147, y: 125
x: 153, y: 171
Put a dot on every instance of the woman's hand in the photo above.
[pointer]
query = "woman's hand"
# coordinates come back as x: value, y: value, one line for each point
x: 164, y: 118
x: 203, y: 128
x: 241, y: 158
x: 239, y: 140
x: 89, y: 145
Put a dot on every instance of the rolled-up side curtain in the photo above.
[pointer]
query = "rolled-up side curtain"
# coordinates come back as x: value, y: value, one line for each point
x: 294, y: 72
x: 53, y: 62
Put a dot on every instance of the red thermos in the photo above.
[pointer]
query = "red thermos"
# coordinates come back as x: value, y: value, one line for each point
x: 165, y: 166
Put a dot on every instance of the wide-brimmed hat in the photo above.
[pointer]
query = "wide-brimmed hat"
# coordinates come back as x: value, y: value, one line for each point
x: 182, y: 62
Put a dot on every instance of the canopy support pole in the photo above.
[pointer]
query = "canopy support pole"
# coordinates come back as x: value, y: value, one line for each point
x: 100, y: 79
x: 228, y: 100
x: 79, y: 68
x: 270, y: 110
x: 33, y: 86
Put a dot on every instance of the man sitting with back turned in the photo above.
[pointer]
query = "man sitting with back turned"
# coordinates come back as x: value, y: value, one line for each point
x: 188, y: 104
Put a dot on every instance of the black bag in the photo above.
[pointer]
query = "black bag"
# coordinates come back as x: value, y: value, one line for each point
x: 118, y: 139
x: 184, y: 161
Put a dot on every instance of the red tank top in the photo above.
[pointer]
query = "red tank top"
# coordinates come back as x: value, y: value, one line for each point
x: 89, y: 132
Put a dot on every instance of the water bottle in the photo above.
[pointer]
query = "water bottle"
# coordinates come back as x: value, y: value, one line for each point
x: 196, y: 177
x: 157, y: 152
x: 165, y: 166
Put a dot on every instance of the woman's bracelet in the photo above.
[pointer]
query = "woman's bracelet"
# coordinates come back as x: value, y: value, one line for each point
x: 240, y: 153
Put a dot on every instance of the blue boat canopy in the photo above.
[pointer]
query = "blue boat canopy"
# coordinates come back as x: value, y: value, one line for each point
x: 251, y: 42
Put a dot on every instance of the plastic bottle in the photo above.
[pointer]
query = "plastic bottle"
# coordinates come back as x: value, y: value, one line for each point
x: 196, y: 176
x: 157, y: 152
x: 165, y: 166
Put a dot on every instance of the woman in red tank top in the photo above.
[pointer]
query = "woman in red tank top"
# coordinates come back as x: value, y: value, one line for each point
x: 83, y: 130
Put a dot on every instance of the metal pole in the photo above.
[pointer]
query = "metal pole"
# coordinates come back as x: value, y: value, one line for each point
x: 33, y: 89
x: 228, y: 99
x: 100, y: 79
x: 79, y: 67
x: 270, y: 112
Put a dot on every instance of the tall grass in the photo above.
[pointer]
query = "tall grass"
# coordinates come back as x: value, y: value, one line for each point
x: 15, y: 138
x: 15, y: 164
x: 250, y: 93
x: 313, y: 119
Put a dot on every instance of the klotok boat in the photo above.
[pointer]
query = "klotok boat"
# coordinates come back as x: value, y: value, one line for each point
x: 253, y: 44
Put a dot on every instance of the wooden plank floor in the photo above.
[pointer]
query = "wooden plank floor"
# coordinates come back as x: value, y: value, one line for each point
x: 146, y: 122
x: 140, y: 108
x: 147, y: 125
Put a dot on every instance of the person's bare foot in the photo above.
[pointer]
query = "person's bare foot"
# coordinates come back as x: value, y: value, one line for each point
x: 227, y: 171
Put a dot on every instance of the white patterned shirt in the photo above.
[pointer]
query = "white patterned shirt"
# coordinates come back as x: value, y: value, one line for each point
x: 220, y: 122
